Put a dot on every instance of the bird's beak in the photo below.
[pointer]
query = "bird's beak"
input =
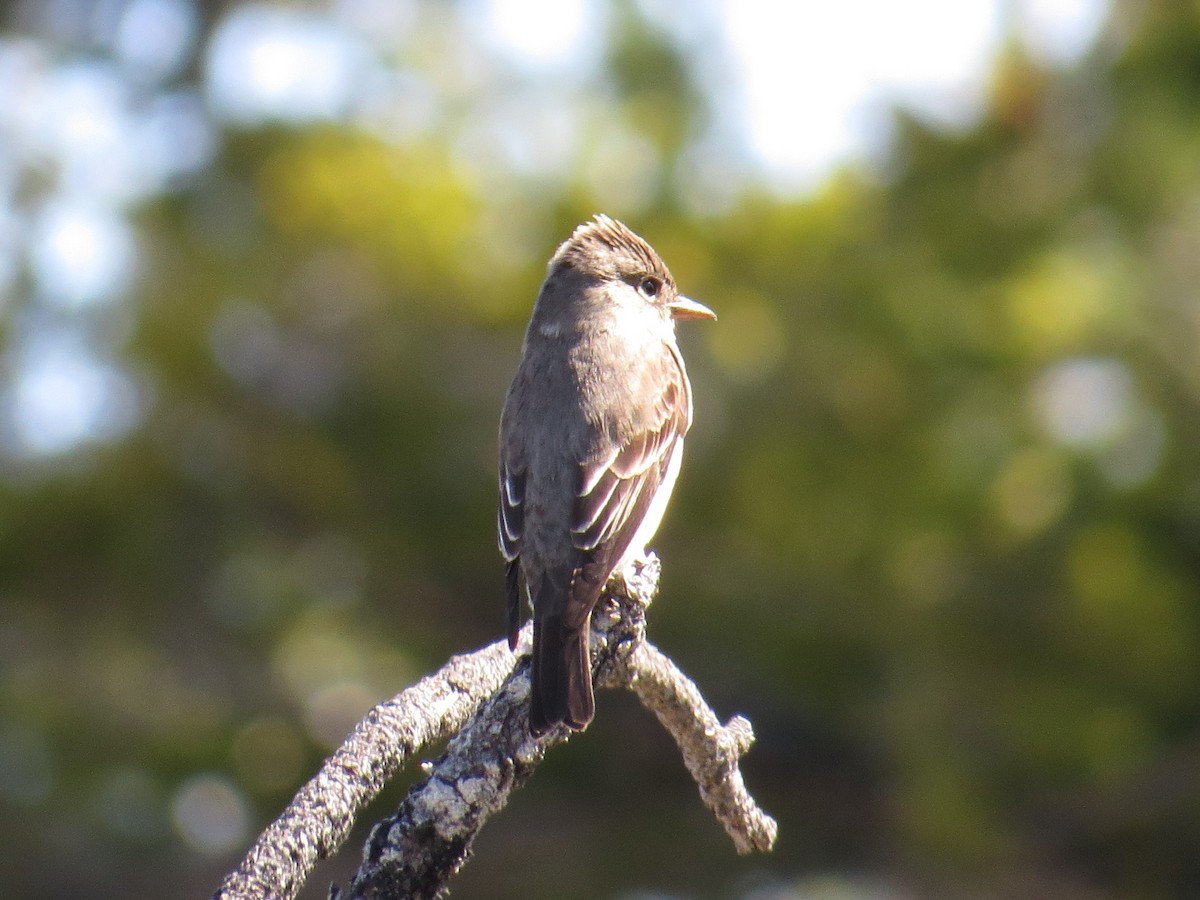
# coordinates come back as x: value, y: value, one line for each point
x: 686, y: 308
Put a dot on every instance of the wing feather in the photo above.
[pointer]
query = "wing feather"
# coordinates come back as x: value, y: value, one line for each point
x: 510, y: 518
x: 616, y: 490
x: 510, y: 524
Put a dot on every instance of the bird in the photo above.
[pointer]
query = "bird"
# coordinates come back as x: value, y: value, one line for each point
x: 591, y: 441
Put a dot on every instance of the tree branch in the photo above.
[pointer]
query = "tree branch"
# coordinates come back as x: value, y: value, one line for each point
x: 711, y: 751
x: 320, y: 816
x: 414, y: 853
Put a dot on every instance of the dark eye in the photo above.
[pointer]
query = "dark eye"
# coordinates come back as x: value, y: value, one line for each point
x: 650, y: 287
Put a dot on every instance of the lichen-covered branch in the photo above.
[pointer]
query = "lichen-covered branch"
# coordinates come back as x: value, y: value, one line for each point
x: 414, y: 853
x: 316, y: 822
x: 711, y: 751
x: 484, y: 702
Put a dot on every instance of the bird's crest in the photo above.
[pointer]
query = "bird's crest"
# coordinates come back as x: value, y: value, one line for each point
x: 609, y: 248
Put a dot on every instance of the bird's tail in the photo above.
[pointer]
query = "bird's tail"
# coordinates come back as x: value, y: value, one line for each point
x: 562, y: 669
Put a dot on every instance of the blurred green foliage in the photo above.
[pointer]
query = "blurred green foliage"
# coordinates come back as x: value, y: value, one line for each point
x: 938, y: 535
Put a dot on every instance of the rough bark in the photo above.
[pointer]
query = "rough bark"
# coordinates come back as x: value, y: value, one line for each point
x: 483, y: 700
x: 320, y: 816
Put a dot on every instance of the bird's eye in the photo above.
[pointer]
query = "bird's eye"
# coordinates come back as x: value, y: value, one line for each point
x: 650, y: 287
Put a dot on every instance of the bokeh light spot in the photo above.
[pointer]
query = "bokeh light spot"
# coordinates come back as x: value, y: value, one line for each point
x: 175, y: 138
x: 209, y: 813
x: 931, y: 54
x: 1084, y: 402
x: 82, y: 253
x: 1061, y: 31
x: 64, y: 396
x: 332, y: 712
x: 384, y: 22
x: 155, y: 37
x: 1058, y: 303
x: 313, y: 655
x: 540, y: 32
x: 1032, y: 491
x: 539, y: 134
x: 269, y: 62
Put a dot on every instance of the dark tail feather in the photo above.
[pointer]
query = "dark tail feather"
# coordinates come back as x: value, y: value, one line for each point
x: 512, y: 589
x: 562, y: 676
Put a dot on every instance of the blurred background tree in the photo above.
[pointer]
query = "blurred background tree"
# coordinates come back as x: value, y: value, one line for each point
x: 265, y: 271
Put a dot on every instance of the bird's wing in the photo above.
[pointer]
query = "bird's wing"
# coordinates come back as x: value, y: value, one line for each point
x: 510, y: 520
x: 617, y: 489
x: 510, y: 523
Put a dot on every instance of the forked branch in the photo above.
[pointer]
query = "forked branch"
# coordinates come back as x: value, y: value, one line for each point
x: 483, y: 701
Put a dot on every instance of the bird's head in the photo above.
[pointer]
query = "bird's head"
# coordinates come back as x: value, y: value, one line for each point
x: 603, y: 263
